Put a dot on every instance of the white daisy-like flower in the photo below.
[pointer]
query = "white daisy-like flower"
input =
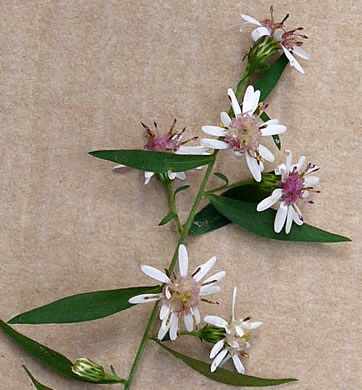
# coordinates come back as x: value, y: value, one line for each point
x: 242, y: 133
x: 235, y: 341
x: 290, y: 41
x: 181, y: 294
x: 296, y: 185
x: 172, y: 143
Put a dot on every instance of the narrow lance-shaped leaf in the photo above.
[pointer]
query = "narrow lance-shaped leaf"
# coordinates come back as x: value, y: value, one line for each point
x: 37, y: 384
x: 167, y: 219
x: 182, y: 188
x: 225, y: 376
x: 222, y: 177
x: 209, y: 219
x: 268, y: 80
x: 158, y: 162
x: 245, y: 215
x: 45, y: 355
x: 83, y: 307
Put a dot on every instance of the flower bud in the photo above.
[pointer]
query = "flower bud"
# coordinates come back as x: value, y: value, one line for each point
x: 92, y: 372
x: 260, y: 53
x: 269, y: 182
x: 212, y: 334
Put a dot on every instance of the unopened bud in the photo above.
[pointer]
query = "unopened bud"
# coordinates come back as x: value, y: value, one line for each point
x: 269, y: 182
x: 93, y: 372
x: 260, y: 53
x: 212, y: 334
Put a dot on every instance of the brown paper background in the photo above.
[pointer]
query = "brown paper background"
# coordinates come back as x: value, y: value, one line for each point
x: 78, y: 76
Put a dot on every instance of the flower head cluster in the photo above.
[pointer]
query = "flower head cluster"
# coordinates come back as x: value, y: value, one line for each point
x: 172, y: 143
x: 295, y: 185
x: 92, y: 371
x: 235, y: 342
x: 242, y: 133
x: 181, y: 294
x: 290, y: 41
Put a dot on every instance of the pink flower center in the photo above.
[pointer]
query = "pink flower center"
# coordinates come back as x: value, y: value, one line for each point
x: 243, y: 134
x: 185, y: 294
x: 163, y: 143
x: 292, y: 188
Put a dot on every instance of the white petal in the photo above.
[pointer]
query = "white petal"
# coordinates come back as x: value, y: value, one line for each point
x: 233, y: 305
x: 247, y: 344
x: 288, y: 225
x: 300, y: 164
x: 216, y: 321
x: 215, y: 278
x: 195, y: 312
x: 214, y: 143
x: 189, y: 322
x: 250, y: 20
x: 228, y: 357
x: 277, y: 35
x: 266, y: 203
x: 154, y: 273
x: 181, y: 175
x: 165, y: 310
x: 300, y: 52
x: 214, y: 130
x: 310, y: 181
x: 119, y: 166
x: 298, y: 216
x: 144, y: 298
x: 252, y: 325
x: 183, y: 260
x: 192, y: 150
x: 173, y: 326
x: 239, y: 154
x: 172, y: 175
x: 280, y: 218
x: 288, y: 161
x: 239, y: 331
x: 234, y: 102
x: 272, y: 122
x: 280, y: 170
x: 266, y: 153
x: 162, y: 331
x: 253, y: 167
x: 204, y: 269
x: 148, y: 176
x: 225, y: 119
x: 238, y: 365
x: 293, y: 62
x: 216, y: 348
x: 218, y: 360
x: 167, y: 292
x: 251, y: 100
x: 259, y: 32
x: 273, y: 130
x: 208, y: 290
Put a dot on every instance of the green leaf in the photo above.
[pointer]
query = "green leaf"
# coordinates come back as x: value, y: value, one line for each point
x: 267, y: 81
x: 158, y: 162
x: 37, y: 384
x: 83, y: 307
x: 182, y: 188
x: 264, y: 116
x: 167, y: 219
x: 209, y: 219
x: 245, y: 215
x: 45, y: 355
x: 222, y: 177
x: 225, y: 376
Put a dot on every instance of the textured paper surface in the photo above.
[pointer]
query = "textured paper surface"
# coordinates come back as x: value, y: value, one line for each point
x: 78, y: 76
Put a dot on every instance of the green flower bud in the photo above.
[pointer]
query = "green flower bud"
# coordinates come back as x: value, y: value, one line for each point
x: 260, y: 53
x: 212, y: 334
x: 269, y: 182
x: 92, y: 372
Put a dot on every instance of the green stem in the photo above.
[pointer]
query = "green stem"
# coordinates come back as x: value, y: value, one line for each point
x: 185, y: 232
x: 230, y: 186
x: 171, y: 199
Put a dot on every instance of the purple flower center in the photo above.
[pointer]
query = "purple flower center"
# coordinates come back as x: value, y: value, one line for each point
x: 292, y: 188
x: 163, y: 143
x: 243, y: 134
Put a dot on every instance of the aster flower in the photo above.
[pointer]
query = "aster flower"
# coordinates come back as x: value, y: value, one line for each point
x: 235, y: 341
x: 172, y: 143
x: 295, y: 185
x: 242, y: 133
x: 290, y: 41
x: 181, y: 294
